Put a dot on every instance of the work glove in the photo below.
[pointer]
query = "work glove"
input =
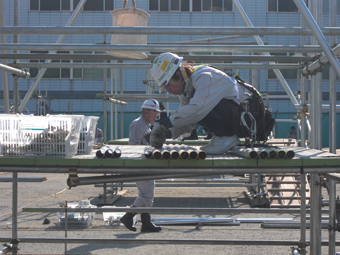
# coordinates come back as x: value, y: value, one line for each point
x: 158, y: 136
x: 147, y: 137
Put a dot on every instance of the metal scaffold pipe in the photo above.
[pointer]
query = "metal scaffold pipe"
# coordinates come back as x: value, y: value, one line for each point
x: 18, y: 72
x: 148, y: 66
x: 162, y: 30
x: 322, y: 61
x: 319, y: 36
x: 245, y: 58
x: 160, y: 48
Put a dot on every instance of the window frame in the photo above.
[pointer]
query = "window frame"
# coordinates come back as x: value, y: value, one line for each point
x: 72, y: 6
x: 191, y: 6
x: 72, y: 71
x: 278, y: 7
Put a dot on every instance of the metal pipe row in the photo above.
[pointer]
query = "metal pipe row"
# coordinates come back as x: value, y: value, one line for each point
x: 172, y: 153
x: 263, y: 152
x: 109, y: 152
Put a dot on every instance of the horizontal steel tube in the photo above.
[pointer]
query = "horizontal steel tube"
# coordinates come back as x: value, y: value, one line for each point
x: 171, y: 48
x: 323, y: 61
x: 170, y: 210
x: 172, y: 172
x: 189, y: 185
x: 160, y: 30
x: 246, y: 58
x: 325, y: 107
x: 148, y: 66
x: 156, y: 241
x: 15, y: 71
x: 332, y: 176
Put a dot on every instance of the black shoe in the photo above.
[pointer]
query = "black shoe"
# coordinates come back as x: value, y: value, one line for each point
x: 127, y: 220
x: 208, y: 137
x: 147, y: 225
x: 192, y: 136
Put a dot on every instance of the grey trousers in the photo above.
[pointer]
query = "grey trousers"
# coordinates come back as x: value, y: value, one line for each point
x: 146, y: 193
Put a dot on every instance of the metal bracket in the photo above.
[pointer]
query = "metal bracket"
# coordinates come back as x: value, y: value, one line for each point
x: 72, y: 171
x: 73, y: 179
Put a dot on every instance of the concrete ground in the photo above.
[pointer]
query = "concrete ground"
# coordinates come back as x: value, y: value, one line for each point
x: 53, y: 191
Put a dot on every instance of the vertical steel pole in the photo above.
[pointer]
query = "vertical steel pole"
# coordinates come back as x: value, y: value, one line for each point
x: 318, y: 94
x: 315, y: 215
x: 332, y: 83
x: 303, y: 93
x: 16, y: 99
x: 43, y: 70
x: 332, y: 133
x: 332, y: 215
x: 260, y: 42
x: 105, y: 104
x: 111, y: 105
x: 303, y: 213
x: 121, y: 106
x: 116, y: 107
x: 4, y: 61
x: 15, y: 213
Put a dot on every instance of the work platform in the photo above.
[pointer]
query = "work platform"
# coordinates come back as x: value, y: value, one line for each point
x: 133, y: 165
x: 132, y: 160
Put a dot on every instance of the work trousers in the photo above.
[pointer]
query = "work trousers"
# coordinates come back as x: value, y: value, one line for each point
x: 223, y: 119
x: 146, y: 193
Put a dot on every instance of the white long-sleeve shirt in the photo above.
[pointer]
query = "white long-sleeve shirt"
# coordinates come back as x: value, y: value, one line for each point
x: 206, y: 87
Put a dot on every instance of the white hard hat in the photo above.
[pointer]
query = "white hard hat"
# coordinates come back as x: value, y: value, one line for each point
x: 164, y: 67
x: 151, y: 104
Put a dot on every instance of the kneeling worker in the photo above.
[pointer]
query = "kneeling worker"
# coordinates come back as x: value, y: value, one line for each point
x: 207, y: 96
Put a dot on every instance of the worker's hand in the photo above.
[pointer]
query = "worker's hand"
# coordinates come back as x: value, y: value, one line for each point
x: 158, y: 136
x: 147, y: 137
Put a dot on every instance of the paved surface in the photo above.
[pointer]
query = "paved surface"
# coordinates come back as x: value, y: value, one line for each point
x: 54, y: 190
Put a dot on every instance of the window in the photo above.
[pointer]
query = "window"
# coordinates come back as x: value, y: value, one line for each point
x: 287, y: 73
x: 68, y: 5
x: 51, y: 72
x: 96, y: 5
x: 69, y: 73
x: 282, y: 6
x: 187, y: 5
x: 325, y: 6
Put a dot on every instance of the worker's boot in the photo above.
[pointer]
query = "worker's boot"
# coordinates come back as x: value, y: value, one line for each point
x: 128, y: 221
x: 147, y: 225
x: 221, y: 144
x: 192, y: 136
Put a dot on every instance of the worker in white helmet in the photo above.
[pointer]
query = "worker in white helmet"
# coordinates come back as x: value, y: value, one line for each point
x: 207, y: 96
x: 146, y: 189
